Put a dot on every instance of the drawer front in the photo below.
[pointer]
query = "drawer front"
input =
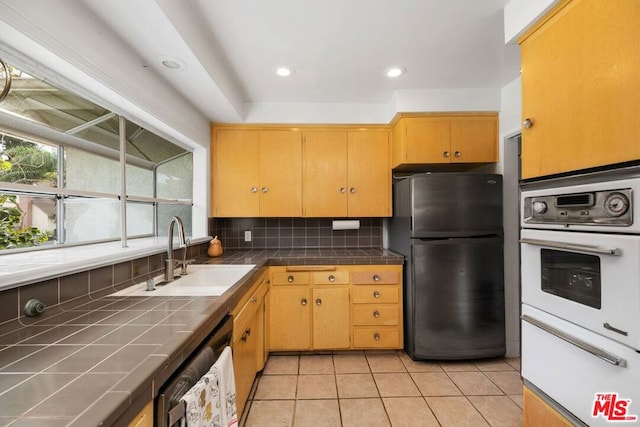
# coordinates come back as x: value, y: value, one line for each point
x: 376, y: 337
x: 290, y: 278
x: 331, y: 278
x: 375, y: 278
x: 375, y: 314
x: 375, y: 294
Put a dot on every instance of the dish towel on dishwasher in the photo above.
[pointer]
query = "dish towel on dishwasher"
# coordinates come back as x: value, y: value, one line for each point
x: 211, y: 402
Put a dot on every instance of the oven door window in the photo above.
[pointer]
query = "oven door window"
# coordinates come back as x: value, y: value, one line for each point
x: 572, y: 276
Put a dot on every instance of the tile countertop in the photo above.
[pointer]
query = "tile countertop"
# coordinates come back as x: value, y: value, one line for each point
x: 101, y: 360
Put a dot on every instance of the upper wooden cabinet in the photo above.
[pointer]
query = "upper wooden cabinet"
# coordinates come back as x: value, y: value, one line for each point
x: 579, y: 87
x: 346, y: 173
x: 256, y: 173
x: 435, y: 138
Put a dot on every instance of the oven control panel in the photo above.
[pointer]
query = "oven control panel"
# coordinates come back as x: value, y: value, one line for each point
x: 610, y: 207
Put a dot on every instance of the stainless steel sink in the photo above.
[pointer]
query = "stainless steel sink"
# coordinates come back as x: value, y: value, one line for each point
x: 202, y: 280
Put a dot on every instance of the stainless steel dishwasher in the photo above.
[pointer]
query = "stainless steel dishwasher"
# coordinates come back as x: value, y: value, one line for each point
x: 169, y: 408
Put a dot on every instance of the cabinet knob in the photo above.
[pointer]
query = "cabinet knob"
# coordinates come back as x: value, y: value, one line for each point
x: 352, y: 190
x: 376, y: 294
x: 290, y: 278
x: 332, y: 278
x: 265, y: 189
x: 303, y: 301
x: 445, y: 154
x: 457, y: 154
x: 254, y: 190
x: 254, y: 300
x: 376, y: 314
x: 376, y: 278
x: 527, y: 123
x: 343, y: 190
x: 318, y: 301
x: 376, y: 337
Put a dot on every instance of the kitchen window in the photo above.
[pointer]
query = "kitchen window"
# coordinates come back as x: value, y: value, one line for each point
x: 64, y: 179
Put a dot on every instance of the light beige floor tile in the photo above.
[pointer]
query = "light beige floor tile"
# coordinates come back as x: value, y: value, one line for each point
x: 419, y: 365
x: 316, y: 364
x: 356, y: 386
x: 514, y: 362
x: 455, y: 412
x: 385, y: 362
x: 363, y: 413
x: 500, y: 411
x: 509, y: 382
x: 317, y: 413
x: 317, y: 387
x: 396, y: 384
x: 435, y: 384
x: 493, y: 365
x: 282, y: 365
x: 409, y: 412
x: 456, y: 366
x: 271, y: 413
x: 347, y: 363
x: 276, y: 387
x: 518, y: 398
x: 474, y: 383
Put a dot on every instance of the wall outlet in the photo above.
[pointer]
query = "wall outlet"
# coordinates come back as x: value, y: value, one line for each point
x: 247, y: 236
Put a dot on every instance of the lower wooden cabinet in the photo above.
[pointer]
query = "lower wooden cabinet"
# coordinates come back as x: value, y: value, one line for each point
x: 335, y: 307
x: 144, y: 418
x: 248, y: 342
x: 538, y: 413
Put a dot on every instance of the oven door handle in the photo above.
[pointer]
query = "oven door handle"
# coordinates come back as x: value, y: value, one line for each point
x: 573, y: 246
x: 596, y: 351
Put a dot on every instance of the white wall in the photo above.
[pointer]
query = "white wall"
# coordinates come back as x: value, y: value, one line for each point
x: 510, y: 117
x: 520, y: 14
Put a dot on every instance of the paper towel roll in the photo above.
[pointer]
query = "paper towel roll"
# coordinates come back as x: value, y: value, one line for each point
x: 351, y: 224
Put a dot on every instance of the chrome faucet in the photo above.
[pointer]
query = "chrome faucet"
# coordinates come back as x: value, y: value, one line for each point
x: 170, y: 263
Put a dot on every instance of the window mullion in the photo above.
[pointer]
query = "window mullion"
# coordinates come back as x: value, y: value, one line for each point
x: 122, y: 134
x: 60, y: 230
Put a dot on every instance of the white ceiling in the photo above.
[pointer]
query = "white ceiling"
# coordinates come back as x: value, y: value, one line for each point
x: 338, y: 48
x: 230, y: 49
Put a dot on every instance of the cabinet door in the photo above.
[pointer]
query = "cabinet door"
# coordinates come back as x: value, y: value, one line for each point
x: 539, y: 413
x: 369, y: 174
x: 580, y: 86
x: 474, y: 140
x: 244, y: 362
x: 280, y: 173
x: 235, y: 178
x: 325, y: 174
x: 331, y: 318
x: 427, y: 140
x: 290, y: 318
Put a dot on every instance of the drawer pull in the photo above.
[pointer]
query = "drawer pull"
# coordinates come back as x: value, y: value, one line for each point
x: 376, y: 314
x: 376, y: 278
x: 254, y: 299
x: 376, y: 294
x: 290, y: 278
x: 246, y: 334
x: 376, y: 337
x: 332, y: 278
x: 318, y: 301
x: 303, y: 301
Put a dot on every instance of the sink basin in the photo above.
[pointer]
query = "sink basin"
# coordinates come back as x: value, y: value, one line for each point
x: 202, y: 280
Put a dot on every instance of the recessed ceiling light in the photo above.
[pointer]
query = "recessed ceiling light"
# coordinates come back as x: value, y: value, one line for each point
x: 394, y: 72
x: 173, y: 64
x: 284, y: 71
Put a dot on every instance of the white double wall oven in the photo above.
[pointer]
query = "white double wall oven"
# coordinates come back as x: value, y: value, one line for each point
x: 580, y: 254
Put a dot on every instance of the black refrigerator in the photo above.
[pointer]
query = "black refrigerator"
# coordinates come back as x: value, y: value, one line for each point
x: 449, y: 228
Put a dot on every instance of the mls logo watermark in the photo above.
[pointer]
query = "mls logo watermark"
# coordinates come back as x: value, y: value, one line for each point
x: 612, y: 408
